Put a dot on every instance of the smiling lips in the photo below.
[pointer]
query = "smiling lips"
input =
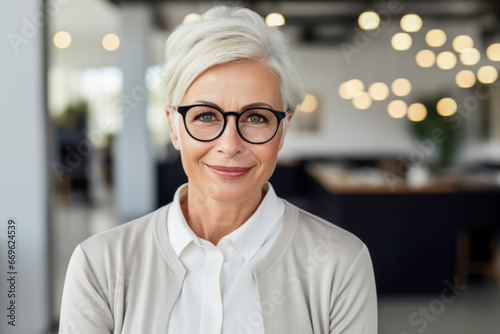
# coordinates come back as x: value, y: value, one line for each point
x: 229, y: 173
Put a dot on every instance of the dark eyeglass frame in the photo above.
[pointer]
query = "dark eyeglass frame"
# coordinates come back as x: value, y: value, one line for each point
x: 183, y: 110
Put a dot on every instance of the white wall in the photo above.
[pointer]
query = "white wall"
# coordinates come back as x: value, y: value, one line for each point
x: 133, y: 168
x: 23, y: 168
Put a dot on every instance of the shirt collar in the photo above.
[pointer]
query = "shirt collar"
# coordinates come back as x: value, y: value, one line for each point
x: 179, y: 232
x: 248, y: 238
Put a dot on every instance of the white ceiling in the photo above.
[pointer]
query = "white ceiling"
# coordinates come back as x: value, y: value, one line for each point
x: 82, y: 17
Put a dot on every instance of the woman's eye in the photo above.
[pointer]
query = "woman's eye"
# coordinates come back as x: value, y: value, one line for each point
x: 255, y: 118
x: 206, y: 117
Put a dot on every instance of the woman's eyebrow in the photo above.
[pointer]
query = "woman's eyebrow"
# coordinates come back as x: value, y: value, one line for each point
x: 207, y: 103
x: 257, y: 104
x: 248, y: 106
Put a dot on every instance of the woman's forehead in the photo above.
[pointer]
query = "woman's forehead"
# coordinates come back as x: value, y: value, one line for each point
x: 241, y: 82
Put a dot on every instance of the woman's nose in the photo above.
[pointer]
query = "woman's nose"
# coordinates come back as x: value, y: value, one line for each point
x: 230, y: 142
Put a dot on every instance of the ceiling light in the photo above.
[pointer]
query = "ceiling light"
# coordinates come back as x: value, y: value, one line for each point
x: 275, y: 20
x: 493, y: 52
x: 425, y: 58
x: 401, y: 87
x: 369, y: 20
x: 378, y: 91
x: 411, y: 23
x: 62, y: 39
x: 462, y: 42
x: 470, y: 56
x: 362, y: 101
x: 465, y: 79
x: 354, y: 87
x: 397, y: 109
x: 446, y: 106
x: 417, y: 112
x: 343, y: 93
x: 435, y: 38
x: 446, y: 60
x: 310, y: 104
x: 487, y: 74
x: 191, y: 17
x: 401, y: 41
x: 110, y: 42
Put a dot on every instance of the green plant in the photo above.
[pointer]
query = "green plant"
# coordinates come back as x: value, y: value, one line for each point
x: 74, y: 114
x: 450, y: 136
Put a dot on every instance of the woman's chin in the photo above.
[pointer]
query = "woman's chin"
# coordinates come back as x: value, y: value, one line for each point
x: 230, y: 192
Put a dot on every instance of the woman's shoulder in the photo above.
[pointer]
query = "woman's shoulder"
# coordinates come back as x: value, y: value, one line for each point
x: 309, y: 244
x: 312, y: 231
x: 130, y: 235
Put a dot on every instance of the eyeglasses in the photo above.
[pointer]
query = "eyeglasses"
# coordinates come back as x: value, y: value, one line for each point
x: 255, y: 125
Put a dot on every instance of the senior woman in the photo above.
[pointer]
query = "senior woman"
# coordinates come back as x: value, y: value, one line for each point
x: 227, y: 255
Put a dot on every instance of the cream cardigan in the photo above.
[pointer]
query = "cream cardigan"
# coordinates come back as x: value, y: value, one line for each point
x: 317, y: 278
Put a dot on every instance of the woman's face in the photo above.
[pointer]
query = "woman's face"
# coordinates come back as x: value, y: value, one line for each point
x: 229, y: 169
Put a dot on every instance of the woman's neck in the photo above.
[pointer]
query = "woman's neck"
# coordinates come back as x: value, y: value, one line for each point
x: 212, y: 220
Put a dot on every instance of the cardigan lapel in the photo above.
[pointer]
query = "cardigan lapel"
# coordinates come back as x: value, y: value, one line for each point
x: 289, y: 224
x: 280, y: 292
x: 176, y: 271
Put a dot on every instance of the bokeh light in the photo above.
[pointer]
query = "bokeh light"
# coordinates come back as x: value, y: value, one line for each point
x: 446, y: 106
x: 487, y: 74
x: 275, y: 20
x: 401, y: 41
x: 62, y: 39
x: 110, y: 42
x: 354, y: 87
x: 362, y: 101
x: 411, y: 23
x: 462, y: 42
x: 435, y: 38
x: 425, y: 58
x: 378, y: 91
x: 446, y: 60
x: 343, y: 93
x: 191, y: 17
x: 470, y: 56
x: 493, y: 52
x: 309, y: 105
x: 369, y: 20
x: 397, y: 109
x: 401, y: 87
x: 417, y: 112
x: 465, y: 79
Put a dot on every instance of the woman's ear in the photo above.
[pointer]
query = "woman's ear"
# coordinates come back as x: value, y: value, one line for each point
x: 288, y: 119
x: 174, y: 135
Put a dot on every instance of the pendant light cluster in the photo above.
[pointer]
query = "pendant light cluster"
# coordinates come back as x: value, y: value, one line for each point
x: 462, y: 50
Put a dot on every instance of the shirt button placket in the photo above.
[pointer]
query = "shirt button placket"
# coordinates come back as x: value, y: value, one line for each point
x: 211, y: 299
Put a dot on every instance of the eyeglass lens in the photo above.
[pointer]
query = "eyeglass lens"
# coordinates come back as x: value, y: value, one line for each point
x: 255, y: 125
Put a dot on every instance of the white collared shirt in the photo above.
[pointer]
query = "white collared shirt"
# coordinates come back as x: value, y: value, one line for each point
x: 219, y: 293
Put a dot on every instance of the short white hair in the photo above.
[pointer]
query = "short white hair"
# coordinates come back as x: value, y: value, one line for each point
x: 228, y: 34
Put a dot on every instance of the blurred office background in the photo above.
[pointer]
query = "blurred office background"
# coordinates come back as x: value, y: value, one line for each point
x: 398, y: 141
